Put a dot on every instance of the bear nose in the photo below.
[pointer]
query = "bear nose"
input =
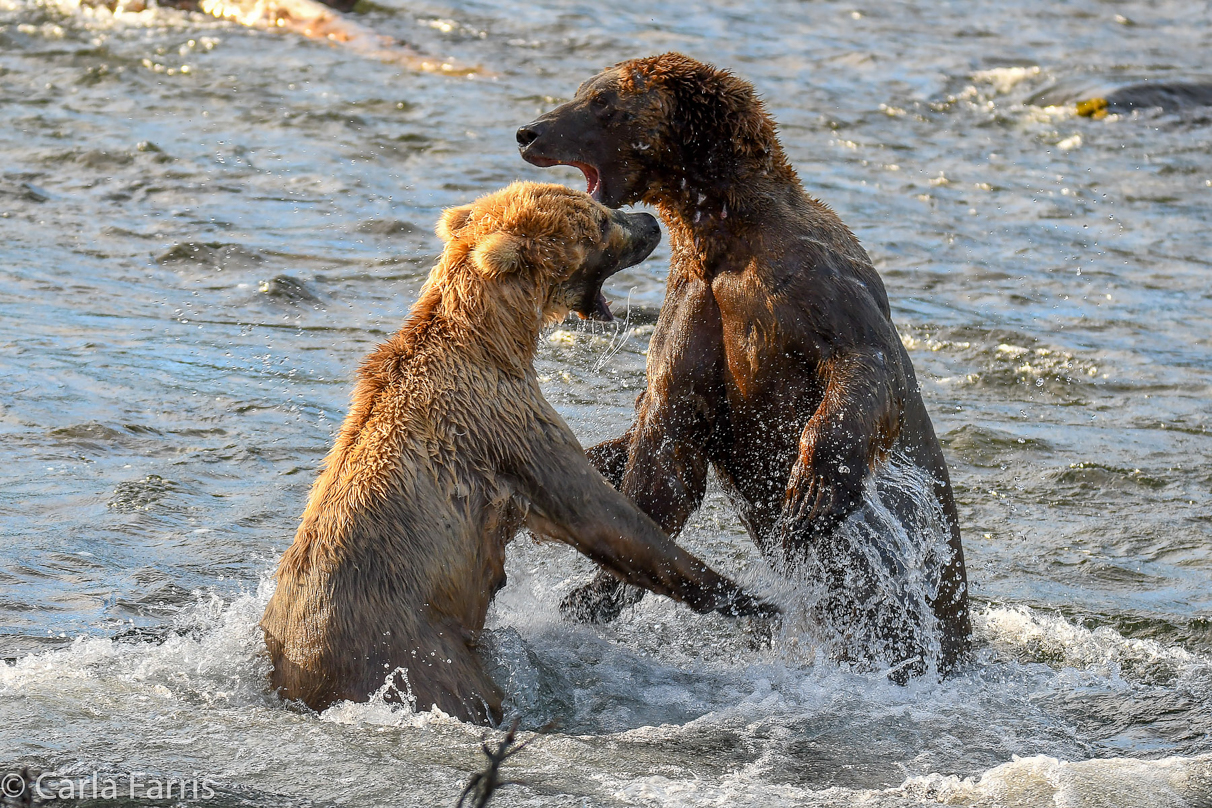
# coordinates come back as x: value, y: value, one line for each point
x: 651, y: 227
x: 527, y: 134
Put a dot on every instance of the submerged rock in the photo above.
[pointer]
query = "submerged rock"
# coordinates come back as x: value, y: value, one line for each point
x: 387, y: 227
x: 140, y: 495
x: 288, y: 290
x: 211, y: 253
x: 1173, y: 96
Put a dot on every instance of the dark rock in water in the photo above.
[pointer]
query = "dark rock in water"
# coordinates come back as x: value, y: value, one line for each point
x: 140, y: 495
x: 387, y: 227
x: 215, y: 254
x: 1167, y: 96
x: 288, y: 289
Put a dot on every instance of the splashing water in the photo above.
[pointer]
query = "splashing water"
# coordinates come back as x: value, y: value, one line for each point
x: 779, y: 728
x: 870, y: 601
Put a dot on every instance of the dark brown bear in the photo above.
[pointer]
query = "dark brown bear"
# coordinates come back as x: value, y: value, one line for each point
x: 448, y: 449
x: 775, y: 360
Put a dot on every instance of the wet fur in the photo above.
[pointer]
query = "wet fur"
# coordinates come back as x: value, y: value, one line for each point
x: 448, y: 449
x: 775, y: 360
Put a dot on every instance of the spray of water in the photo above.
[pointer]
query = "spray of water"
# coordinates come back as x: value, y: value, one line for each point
x: 622, y: 333
x: 865, y: 598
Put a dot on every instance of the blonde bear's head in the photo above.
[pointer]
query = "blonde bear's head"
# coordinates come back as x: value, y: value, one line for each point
x: 541, y: 250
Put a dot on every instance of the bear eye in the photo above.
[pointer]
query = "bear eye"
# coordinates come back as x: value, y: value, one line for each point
x: 604, y: 223
x: 600, y: 103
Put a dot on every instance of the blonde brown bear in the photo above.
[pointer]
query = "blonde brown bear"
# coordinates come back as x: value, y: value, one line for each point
x: 449, y: 449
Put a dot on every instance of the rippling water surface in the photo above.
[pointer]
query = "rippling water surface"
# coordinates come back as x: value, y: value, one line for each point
x: 205, y: 226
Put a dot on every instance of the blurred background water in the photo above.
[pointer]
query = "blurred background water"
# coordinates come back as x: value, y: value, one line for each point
x: 205, y: 226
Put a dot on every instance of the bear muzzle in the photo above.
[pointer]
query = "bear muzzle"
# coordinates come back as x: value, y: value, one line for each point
x: 636, y: 236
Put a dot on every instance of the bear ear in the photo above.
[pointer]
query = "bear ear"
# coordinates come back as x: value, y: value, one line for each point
x: 452, y: 221
x: 498, y: 254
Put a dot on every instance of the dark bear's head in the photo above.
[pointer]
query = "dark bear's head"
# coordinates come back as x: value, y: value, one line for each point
x: 646, y: 128
x: 543, y: 246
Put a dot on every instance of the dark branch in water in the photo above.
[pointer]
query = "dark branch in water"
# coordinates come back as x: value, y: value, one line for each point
x: 483, y: 784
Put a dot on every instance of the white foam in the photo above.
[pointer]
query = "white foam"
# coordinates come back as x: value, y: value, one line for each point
x: 381, y: 713
x: 1030, y: 782
x: 1035, y: 636
x: 1005, y: 79
x: 655, y: 681
x: 214, y: 655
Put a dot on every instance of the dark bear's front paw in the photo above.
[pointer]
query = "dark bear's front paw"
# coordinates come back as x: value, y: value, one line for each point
x: 601, y: 600
x: 745, y: 605
x: 800, y: 529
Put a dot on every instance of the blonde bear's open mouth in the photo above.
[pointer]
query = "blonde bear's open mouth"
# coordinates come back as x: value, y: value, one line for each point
x: 599, y: 311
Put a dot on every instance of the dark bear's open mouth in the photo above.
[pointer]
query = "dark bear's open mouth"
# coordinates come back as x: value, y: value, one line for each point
x: 593, y: 178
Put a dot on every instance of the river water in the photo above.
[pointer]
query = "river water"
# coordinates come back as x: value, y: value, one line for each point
x: 205, y: 226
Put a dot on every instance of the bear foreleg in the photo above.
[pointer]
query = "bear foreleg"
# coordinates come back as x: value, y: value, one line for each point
x: 853, y: 428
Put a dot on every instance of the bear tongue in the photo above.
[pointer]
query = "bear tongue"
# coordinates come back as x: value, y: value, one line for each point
x: 593, y: 181
x: 601, y: 311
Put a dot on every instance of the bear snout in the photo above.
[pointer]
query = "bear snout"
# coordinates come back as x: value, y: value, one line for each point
x: 533, y: 140
x: 647, y: 226
x: 528, y: 134
x: 644, y: 234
